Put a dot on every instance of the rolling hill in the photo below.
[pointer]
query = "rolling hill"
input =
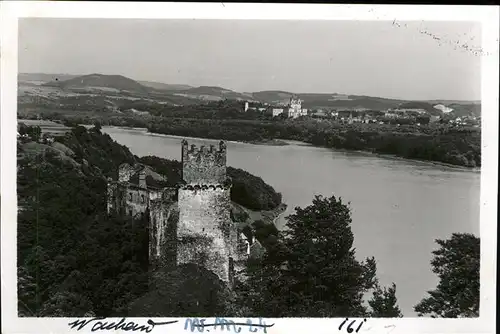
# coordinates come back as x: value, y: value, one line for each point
x: 188, y: 95
x: 101, y: 81
x: 314, y: 100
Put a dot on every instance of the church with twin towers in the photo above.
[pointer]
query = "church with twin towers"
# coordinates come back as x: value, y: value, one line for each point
x: 191, y: 221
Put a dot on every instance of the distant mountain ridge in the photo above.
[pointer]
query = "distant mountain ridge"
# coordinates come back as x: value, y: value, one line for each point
x: 186, y: 94
x: 114, y: 82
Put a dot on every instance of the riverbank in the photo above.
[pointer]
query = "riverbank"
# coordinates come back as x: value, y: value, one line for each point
x: 272, y: 142
x: 461, y: 165
x: 397, y: 158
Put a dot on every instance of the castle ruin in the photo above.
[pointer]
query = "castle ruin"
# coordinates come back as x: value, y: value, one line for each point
x: 189, y: 222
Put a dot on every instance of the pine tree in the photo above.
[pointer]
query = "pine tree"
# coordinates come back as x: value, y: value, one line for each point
x: 384, y: 303
x: 456, y: 263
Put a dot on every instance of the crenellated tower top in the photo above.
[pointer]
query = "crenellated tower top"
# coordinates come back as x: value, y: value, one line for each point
x: 295, y: 102
x: 203, y: 165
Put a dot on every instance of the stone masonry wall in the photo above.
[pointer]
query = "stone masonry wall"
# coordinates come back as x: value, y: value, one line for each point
x: 137, y: 200
x: 157, y: 226
x: 125, y: 172
x: 204, y: 227
x: 112, y: 202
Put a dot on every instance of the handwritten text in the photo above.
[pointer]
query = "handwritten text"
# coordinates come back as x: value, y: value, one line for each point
x: 350, y: 328
x: 100, y: 324
x: 193, y: 324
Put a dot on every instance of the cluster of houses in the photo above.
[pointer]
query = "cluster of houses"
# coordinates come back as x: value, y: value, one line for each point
x: 293, y: 109
x: 34, y: 133
x: 382, y: 117
x: 466, y: 120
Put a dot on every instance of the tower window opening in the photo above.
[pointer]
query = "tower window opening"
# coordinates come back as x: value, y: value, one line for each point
x: 130, y: 196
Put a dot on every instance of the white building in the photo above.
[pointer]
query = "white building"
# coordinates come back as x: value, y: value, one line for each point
x: 255, y: 106
x: 277, y: 111
x: 295, y: 108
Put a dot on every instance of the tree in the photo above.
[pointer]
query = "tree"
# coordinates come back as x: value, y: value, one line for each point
x: 34, y: 132
x: 456, y: 263
x: 312, y: 270
x: 384, y: 303
x: 97, y: 127
x: 22, y: 129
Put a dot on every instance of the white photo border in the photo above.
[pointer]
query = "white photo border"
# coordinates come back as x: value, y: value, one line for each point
x: 487, y: 15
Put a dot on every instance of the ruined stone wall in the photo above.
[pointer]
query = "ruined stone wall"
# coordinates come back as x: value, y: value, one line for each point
x: 204, y: 228
x: 169, y: 194
x: 203, y: 165
x: 137, y: 200
x: 125, y: 172
x: 116, y: 198
x: 158, y: 216
x: 112, y: 204
x: 161, y: 234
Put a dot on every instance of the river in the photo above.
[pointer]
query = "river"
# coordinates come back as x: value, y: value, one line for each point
x: 399, y: 207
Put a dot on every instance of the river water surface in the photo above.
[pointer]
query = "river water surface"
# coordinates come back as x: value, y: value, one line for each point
x: 399, y: 207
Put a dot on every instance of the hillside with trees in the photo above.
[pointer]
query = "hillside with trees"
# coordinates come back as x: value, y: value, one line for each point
x: 74, y: 259
x: 117, y: 82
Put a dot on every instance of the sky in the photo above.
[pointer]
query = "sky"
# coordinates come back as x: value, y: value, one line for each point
x: 377, y: 58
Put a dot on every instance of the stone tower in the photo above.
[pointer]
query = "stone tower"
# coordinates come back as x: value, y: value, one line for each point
x: 205, y: 232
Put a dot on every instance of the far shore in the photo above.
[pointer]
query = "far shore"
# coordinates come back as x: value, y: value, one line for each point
x: 275, y: 142
x: 283, y: 142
